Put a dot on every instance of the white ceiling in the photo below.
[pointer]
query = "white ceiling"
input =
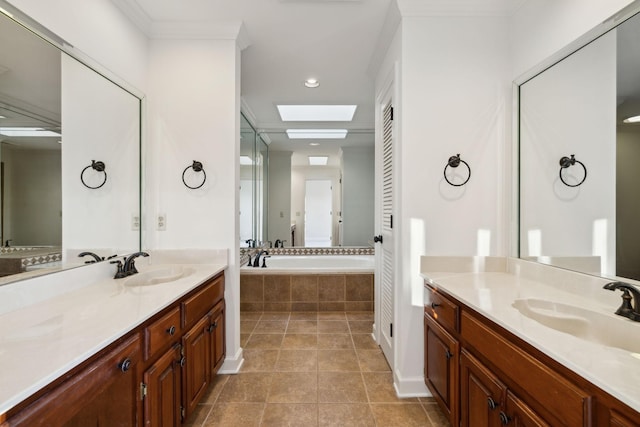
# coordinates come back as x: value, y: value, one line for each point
x: 290, y: 41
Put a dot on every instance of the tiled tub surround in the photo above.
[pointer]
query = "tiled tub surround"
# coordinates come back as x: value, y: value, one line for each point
x: 491, y: 285
x: 71, y: 320
x: 306, y: 292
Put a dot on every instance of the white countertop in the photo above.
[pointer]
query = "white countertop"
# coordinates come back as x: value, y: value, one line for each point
x: 41, y: 341
x: 612, y: 369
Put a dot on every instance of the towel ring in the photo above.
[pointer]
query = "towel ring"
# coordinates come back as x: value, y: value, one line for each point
x: 97, y: 166
x: 454, y: 162
x: 197, y: 167
x: 566, y: 162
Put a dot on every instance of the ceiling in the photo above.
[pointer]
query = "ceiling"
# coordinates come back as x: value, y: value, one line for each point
x: 288, y: 42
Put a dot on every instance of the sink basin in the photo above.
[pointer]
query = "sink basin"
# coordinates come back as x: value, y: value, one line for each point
x: 611, y: 331
x: 159, y: 275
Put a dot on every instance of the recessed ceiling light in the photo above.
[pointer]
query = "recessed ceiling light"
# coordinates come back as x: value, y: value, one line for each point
x: 314, y: 144
x: 317, y: 113
x: 27, y: 132
x: 318, y: 160
x: 317, y: 133
x: 2, y: 117
x: 245, y: 160
x: 311, y: 83
x: 634, y: 119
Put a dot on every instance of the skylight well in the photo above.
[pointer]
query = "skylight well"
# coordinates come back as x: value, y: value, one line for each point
x: 317, y: 113
x: 317, y: 133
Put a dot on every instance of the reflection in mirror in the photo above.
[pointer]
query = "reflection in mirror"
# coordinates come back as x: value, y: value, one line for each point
x: 56, y: 117
x: 578, y: 107
x: 254, y: 155
x: 321, y: 205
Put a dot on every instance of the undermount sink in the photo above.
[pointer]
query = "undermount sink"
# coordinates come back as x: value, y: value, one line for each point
x: 582, y: 323
x: 159, y: 275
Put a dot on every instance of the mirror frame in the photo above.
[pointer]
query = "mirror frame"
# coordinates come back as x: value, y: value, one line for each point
x: 617, y: 19
x: 38, y: 30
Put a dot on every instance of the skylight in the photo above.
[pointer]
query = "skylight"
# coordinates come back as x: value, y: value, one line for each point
x: 317, y: 133
x: 317, y: 113
x: 27, y: 132
x: 318, y: 160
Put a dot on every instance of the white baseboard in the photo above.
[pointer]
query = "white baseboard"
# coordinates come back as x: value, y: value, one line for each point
x: 233, y: 364
x: 410, y: 387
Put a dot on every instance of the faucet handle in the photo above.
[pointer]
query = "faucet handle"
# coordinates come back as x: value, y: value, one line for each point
x: 264, y: 260
x: 120, y: 272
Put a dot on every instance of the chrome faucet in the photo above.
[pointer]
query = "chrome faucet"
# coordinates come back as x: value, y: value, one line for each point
x: 256, y: 261
x: 129, y: 263
x: 626, y: 309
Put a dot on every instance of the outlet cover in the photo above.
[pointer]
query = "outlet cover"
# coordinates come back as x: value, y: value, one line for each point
x: 135, y: 222
x: 162, y: 222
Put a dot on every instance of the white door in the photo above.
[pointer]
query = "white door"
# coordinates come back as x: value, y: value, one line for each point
x: 317, y: 213
x: 385, y: 248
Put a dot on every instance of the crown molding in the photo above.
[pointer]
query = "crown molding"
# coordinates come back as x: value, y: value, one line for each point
x: 177, y: 30
x: 417, y: 8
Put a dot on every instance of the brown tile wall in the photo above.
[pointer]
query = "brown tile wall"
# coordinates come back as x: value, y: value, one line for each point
x: 317, y: 292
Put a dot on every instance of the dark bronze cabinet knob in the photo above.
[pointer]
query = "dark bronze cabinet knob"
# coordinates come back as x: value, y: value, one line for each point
x: 492, y: 403
x: 125, y: 365
x: 172, y: 330
x: 504, y: 418
x: 434, y: 305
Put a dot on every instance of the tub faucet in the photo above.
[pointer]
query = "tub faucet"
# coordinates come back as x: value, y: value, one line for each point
x: 129, y: 266
x: 251, y: 243
x: 6, y: 242
x: 256, y: 261
x: 96, y: 257
x: 626, y: 309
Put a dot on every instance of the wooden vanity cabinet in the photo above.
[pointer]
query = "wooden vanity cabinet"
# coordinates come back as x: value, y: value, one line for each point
x: 482, y: 394
x: 154, y: 376
x: 162, y: 390
x: 503, y: 380
x: 104, y: 391
x: 441, y: 355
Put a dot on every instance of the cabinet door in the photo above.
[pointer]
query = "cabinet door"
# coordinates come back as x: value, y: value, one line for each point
x: 441, y: 355
x: 481, y: 393
x: 197, y: 366
x: 217, y: 337
x: 102, y: 394
x: 519, y: 414
x: 162, y: 381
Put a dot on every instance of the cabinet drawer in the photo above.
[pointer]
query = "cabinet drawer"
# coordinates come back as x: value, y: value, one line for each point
x: 162, y: 332
x: 197, y: 305
x: 554, y: 393
x: 441, y: 309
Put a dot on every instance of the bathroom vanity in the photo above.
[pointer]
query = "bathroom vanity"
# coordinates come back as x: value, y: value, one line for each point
x: 502, y: 348
x: 129, y: 352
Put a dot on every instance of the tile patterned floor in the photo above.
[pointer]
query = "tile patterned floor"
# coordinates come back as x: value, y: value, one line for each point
x: 311, y: 369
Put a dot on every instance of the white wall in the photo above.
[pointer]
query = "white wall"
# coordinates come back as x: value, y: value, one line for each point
x: 454, y: 96
x: 357, y: 195
x: 32, y: 197
x: 279, y: 213
x: 198, y: 119
x: 627, y: 201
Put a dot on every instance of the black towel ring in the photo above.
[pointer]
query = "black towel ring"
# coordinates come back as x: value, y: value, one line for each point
x: 566, y: 162
x: 197, y: 167
x: 97, y: 166
x: 454, y: 162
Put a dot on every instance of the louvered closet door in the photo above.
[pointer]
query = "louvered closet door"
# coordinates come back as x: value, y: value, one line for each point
x: 387, y: 270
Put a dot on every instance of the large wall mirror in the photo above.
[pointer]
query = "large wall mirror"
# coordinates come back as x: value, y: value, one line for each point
x: 59, y: 118
x: 314, y: 193
x: 579, y: 150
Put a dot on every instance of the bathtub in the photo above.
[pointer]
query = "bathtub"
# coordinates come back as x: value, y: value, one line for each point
x: 309, y: 283
x: 313, y: 264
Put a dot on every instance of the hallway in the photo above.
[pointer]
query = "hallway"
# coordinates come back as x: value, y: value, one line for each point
x: 311, y: 369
